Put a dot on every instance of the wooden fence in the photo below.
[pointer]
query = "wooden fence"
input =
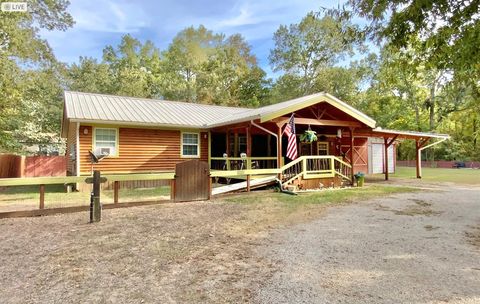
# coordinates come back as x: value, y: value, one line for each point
x: 36, y: 166
x: 116, y: 180
x: 437, y: 164
x: 12, y: 166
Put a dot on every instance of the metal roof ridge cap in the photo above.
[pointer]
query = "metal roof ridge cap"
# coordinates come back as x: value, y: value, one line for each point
x: 226, y: 122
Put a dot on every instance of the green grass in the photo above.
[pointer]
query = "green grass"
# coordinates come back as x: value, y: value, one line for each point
x: 459, y: 176
x: 27, y: 197
x: 329, y: 196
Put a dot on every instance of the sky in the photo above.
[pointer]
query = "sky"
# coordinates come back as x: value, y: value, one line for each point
x: 104, y: 22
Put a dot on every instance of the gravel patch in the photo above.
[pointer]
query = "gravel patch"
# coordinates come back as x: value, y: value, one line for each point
x: 410, y: 248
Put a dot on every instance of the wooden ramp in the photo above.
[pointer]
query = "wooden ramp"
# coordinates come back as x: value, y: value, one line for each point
x: 254, y: 183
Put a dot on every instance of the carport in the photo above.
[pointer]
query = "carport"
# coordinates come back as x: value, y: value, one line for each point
x: 423, y: 140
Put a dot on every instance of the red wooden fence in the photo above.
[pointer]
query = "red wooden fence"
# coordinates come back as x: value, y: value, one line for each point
x: 11, y: 166
x: 45, y: 166
x: 436, y: 164
x: 32, y: 166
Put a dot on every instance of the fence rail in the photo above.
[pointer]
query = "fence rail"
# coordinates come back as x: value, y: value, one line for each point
x: 242, y: 163
x: 305, y: 166
x: 438, y: 163
x: 68, y: 180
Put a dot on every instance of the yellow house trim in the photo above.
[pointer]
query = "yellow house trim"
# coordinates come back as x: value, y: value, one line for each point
x: 324, y: 98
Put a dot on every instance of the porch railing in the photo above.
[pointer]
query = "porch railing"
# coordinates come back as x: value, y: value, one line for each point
x: 242, y: 163
x: 305, y: 166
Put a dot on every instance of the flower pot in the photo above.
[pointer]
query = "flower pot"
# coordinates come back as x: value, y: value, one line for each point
x: 360, y: 181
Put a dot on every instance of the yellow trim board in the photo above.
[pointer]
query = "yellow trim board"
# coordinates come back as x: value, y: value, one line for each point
x: 337, y: 103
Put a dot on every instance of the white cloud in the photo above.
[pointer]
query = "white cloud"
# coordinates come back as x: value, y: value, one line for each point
x: 108, y: 16
x: 245, y: 17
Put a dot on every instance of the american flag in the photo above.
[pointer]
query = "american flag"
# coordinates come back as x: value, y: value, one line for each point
x: 292, y: 139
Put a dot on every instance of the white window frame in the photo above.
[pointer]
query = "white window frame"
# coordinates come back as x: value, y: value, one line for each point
x: 94, y: 139
x: 198, y: 145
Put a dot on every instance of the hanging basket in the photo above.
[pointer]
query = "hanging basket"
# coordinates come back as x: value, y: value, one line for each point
x: 309, y: 136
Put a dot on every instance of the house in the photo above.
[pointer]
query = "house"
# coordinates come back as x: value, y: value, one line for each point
x: 145, y: 135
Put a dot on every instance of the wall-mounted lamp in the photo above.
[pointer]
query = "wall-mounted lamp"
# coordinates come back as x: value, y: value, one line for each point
x: 85, y: 131
x: 339, y: 133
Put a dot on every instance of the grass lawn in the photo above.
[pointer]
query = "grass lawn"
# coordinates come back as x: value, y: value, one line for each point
x: 285, y: 208
x: 27, y: 197
x: 459, y: 176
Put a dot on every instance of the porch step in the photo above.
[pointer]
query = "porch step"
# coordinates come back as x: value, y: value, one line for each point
x: 254, y: 183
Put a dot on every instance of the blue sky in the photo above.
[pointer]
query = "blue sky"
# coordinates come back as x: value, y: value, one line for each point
x: 103, y: 22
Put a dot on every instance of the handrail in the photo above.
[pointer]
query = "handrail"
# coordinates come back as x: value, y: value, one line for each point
x: 244, y: 158
x: 52, y: 180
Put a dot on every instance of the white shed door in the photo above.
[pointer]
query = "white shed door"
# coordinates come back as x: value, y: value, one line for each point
x: 391, y: 165
x: 377, y: 158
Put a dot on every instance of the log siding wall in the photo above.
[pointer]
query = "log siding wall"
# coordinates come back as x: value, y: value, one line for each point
x: 139, y: 150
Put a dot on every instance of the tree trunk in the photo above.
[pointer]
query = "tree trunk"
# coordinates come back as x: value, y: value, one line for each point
x: 432, y: 106
x: 474, y: 134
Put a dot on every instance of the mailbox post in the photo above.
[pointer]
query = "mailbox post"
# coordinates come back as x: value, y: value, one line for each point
x: 95, y: 205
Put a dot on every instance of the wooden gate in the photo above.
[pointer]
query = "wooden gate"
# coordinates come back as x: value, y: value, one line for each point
x: 192, y: 181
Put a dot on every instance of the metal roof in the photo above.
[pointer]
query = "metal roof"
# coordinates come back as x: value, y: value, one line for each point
x: 101, y: 108
x: 111, y: 109
x: 411, y: 133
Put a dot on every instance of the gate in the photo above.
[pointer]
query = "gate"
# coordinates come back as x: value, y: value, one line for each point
x: 192, y: 181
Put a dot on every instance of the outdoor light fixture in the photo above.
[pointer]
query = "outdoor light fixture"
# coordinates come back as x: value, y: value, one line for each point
x: 339, y: 133
x: 85, y: 131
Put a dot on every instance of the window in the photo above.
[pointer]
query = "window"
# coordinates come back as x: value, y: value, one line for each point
x: 242, y: 143
x: 190, y: 145
x: 105, y: 141
x: 322, y: 148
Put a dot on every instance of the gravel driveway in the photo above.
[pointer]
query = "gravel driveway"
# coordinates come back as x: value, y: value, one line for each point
x: 409, y: 248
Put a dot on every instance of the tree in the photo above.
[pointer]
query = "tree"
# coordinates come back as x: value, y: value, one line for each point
x: 25, y: 58
x: 309, y: 47
x: 90, y: 76
x: 135, y: 68
x: 205, y: 67
x: 184, y: 58
x: 447, y: 31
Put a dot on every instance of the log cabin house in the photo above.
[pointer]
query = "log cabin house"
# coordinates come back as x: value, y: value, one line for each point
x: 145, y: 136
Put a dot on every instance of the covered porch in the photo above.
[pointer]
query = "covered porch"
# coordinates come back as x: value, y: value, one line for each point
x: 254, y: 145
x: 257, y: 144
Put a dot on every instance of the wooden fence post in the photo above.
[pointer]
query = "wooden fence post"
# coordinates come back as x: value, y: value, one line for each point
x: 172, y: 189
x: 116, y: 188
x: 97, y: 208
x: 42, y: 196
x: 248, y: 182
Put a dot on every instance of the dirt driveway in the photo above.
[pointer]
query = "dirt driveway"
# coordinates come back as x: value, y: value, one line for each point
x: 411, y: 248
x: 264, y: 247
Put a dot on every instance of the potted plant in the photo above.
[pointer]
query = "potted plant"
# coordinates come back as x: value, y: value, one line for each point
x: 360, y: 178
x: 309, y: 136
